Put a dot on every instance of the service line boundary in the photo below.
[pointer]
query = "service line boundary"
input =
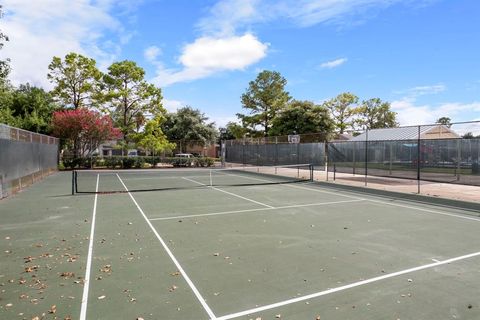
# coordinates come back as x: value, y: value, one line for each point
x: 305, y: 186
x: 253, y: 210
x: 172, y: 257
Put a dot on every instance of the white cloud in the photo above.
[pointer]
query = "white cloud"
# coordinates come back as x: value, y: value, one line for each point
x: 172, y: 105
x: 409, y: 113
x: 226, y: 19
x: 151, y: 53
x: 222, y: 121
x: 426, y: 90
x: 39, y: 30
x: 333, y: 63
x: 226, y: 16
x: 209, y: 55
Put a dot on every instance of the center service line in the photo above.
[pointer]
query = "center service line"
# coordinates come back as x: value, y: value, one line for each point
x: 175, y: 261
x: 230, y: 193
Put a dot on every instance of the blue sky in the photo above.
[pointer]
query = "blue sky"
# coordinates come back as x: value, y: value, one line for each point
x: 422, y: 56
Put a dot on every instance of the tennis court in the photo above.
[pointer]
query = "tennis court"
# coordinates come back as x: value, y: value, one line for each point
x: 228, y: 244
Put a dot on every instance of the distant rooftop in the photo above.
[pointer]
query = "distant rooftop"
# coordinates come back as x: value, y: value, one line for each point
x: 408, y: 133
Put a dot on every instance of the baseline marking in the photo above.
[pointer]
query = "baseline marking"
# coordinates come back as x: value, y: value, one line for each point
x: 86, y: 285
x: 230, y: 193
x: 175, y: 261
x: 251, y: 210
x: 348, y: 286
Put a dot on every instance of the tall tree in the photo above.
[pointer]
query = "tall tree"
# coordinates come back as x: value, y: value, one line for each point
x: 375, y: 114
x: 33, y: 107
x: 4, y: 64
x: 129, y: 95
x: 342, y: 109
x: 231, y: 131
x: 152, y: 137
x: 76, y: 80
x: 445, y: 121
x: 189, y: 126
x: 302, y: 117
x: 264, y: 97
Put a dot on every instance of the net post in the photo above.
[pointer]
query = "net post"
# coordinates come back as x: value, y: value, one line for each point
x: 334, y: 171
x: 211, y: 182
x: 311, y: 171
x: 76, y: 180
x: 73, y: 182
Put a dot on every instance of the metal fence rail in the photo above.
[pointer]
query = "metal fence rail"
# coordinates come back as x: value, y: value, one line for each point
x: 25, y: 157
x: 447, y: 153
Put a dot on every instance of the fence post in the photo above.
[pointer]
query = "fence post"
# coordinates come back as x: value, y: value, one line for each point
x: 418, y: 160
x: 366, y: 157
x: 459, y: 156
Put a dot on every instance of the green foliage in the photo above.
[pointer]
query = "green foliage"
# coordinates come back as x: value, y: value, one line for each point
x: 128, y: 163
x: 76, y: 80
x: 342, y: 109
x: 300, y: 117
x: 189, y: 125
x: 152, y: 138
x: 264, y: 97
x: 140, y: 162
x: 33, y: 107
x: 128, y: 96
x: 4, y: 64
x: 113, y: 162
x: 232, y: 131
x: 375, y: 114
x: 445, y: 121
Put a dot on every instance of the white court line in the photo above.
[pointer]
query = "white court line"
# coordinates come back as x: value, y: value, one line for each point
x: 230, y: 193
x: 348, y: 286
x: 371, y: 200
x: 161, y: 178
x: 86, y: 284
x: 426, y: 210
x: 296, y: 186
x: 169, y: 252
x: 251, y: 210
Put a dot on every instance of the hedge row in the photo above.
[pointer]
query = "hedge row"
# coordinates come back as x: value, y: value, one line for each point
x: 135, y: 162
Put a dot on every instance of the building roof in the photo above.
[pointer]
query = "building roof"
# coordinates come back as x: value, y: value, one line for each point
x: 408, y: 133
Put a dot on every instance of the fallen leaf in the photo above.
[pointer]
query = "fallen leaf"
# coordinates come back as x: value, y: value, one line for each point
x: 53, y: 309
x: 67, y: 275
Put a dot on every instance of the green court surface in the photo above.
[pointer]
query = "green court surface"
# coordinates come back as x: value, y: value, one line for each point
x: 273, y: 251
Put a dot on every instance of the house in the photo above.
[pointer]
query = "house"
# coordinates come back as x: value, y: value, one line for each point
x: 436, y: 131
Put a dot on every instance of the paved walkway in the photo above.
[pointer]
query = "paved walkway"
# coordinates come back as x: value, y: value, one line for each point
x: 427, y: 188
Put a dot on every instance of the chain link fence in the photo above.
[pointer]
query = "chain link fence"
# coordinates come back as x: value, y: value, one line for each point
x: 444, y: 153
x: 25, y: 157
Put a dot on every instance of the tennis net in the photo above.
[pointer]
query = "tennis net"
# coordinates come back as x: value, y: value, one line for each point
x: 115, y: 181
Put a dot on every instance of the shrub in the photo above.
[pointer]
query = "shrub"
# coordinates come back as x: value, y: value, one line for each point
x: 112, y: 162
x: 140, y: 162
x: 128, y: 162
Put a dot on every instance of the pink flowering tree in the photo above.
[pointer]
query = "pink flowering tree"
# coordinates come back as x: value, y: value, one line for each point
x: 83, y: 130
